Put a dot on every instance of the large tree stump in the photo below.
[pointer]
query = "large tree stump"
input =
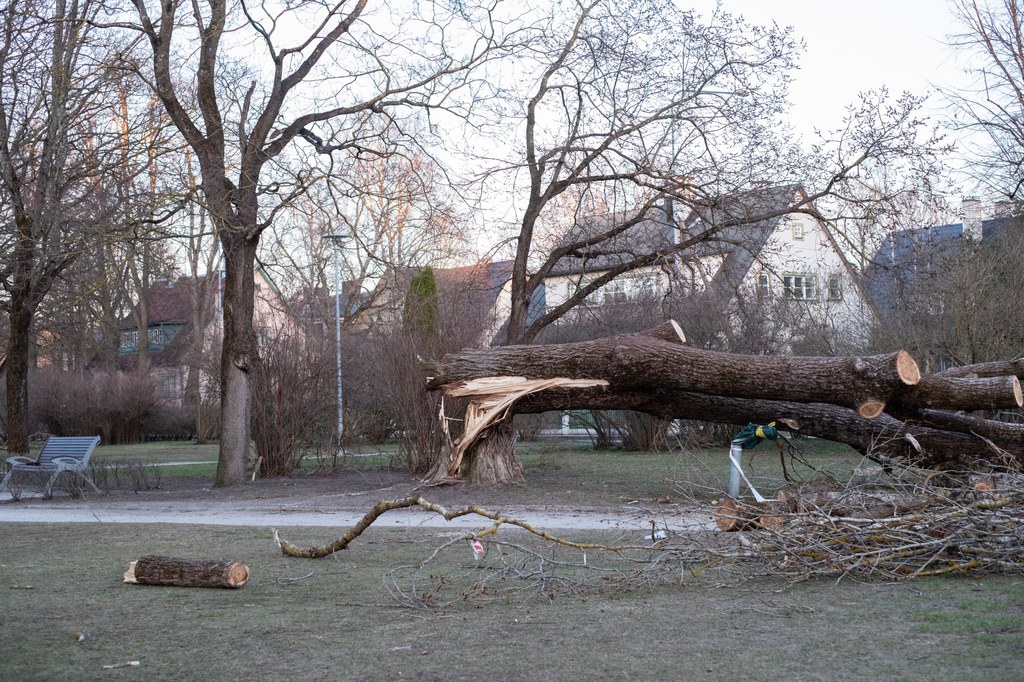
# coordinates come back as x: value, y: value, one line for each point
x: 165, y: 570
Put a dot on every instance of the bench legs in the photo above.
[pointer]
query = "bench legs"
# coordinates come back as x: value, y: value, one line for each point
x: 48, y: 488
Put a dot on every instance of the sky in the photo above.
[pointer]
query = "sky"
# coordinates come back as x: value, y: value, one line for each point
x: 857, y: 45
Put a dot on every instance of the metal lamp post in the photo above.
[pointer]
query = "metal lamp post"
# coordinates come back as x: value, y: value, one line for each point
x: 336, y: 240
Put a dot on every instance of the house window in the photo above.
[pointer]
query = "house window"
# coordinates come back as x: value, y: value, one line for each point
x: 264, y: 337
x: 156, y: 338
x: 129, y: 341
x: 646, y: 287
x: 798, y: 231
x: 799, y: 287
x: 835, y: 288
x: 764, y: 284
x: 615, y: 291
x: 169, y: 386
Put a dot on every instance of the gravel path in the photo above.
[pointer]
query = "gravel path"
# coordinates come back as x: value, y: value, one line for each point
x: 325, y: 511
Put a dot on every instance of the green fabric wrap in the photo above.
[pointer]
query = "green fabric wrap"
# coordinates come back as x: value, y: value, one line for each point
x: 752, y: 434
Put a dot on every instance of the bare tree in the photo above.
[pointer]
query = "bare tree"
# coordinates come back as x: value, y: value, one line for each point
x: 627, y: 110
x: 56, y: 143
x: 259, y: 86
x: 992, y: 108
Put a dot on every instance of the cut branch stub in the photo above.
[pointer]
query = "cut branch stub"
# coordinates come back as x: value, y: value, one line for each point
x: 647, y: 361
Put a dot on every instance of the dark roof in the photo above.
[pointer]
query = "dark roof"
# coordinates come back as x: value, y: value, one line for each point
x: 170, y: 304
x: 741, y: 234
x: 908, y: 255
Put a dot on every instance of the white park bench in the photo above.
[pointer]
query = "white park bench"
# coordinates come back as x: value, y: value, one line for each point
x: 61, y: 454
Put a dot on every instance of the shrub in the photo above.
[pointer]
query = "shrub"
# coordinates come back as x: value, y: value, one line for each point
x: 112, y: 405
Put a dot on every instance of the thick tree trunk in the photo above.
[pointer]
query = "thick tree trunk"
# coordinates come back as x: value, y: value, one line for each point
x: 840, y: 399
x: 239, y: 358
x: 174, y: 572
x: 882, y: 436
x: 629, y: 361
x: 17, y: 377
x: 494, y: 460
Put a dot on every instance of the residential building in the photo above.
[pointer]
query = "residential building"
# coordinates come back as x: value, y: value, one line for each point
x: 943, y: 290
x: 762, y: 260
x: 176, y: 309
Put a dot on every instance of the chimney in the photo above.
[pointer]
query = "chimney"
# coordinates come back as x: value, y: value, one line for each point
x: 971, y: 208
x: 1002, y: 209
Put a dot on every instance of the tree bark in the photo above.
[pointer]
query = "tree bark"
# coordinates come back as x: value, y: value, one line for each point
x: 239, y: 357
x: 174, y: 572
x: 977, y: 393
x: 647, y: 360
x: 17, y: 377
x: 494, y: 460
x: 881, y: 437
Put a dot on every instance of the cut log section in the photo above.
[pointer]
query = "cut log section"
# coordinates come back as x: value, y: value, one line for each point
x: 175, y: 572
x: 936, y: 391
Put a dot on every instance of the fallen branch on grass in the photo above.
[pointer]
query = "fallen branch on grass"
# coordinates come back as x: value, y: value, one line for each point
x: 319, y: 551
x: 830, y: 532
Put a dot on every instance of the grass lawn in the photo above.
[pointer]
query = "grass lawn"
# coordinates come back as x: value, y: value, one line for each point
x: 555, y: 472
x: 333, y: 619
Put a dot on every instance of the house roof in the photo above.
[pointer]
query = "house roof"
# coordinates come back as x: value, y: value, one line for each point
x: 906, y: 255
x: 170, y: 303
x: 740, y: 234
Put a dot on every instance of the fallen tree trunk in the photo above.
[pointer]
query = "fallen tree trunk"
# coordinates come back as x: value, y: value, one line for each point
x: 998, y: 368
x: 1010, y: 435
x: 171, y: 571
x: 878, y: 404
x: 884, y: 437
x: 648, y: 360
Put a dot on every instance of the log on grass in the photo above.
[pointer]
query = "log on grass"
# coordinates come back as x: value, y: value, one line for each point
x: 172, y: 571
x: 655, y: 360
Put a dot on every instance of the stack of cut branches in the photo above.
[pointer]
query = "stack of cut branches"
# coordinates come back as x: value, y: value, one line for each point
x: 888, y: 533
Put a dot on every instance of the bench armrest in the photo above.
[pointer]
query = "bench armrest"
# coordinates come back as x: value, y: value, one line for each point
x: 65, y: 462
x: 20, y: 459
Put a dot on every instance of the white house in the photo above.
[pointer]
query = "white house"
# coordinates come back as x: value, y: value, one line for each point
x: 760, y: 258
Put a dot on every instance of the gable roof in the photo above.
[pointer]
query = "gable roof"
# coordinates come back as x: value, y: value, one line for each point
x: 739, y: 237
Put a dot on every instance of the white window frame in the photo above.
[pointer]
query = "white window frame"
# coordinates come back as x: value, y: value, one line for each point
x: 798, y: 231
x: 130, y: 341
x: 799, y: 286
x: 615, y: 291
x: 764, y: 284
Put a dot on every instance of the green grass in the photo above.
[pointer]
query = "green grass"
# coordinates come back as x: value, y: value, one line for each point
x: 333, y: 619
x: 555, y: 472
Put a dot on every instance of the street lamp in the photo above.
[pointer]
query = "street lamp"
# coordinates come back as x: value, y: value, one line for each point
x: 336, y: 240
